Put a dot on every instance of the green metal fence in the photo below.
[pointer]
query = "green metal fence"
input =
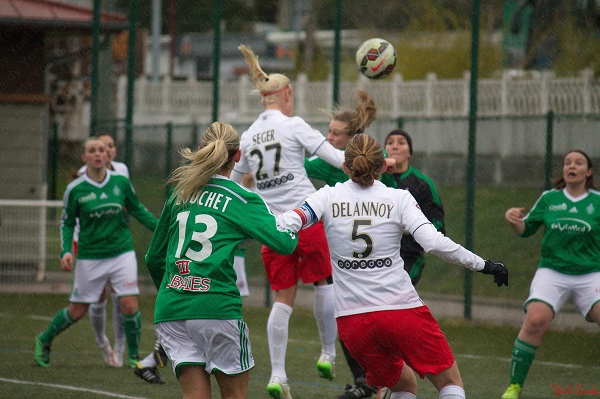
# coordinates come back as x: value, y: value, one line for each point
x: 514, y: 154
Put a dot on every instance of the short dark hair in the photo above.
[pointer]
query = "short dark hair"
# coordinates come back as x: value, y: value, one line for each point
x: 400, y: 132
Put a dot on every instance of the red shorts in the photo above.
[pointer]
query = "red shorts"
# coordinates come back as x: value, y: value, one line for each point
x: 382, y: 341
x: 310, y: 261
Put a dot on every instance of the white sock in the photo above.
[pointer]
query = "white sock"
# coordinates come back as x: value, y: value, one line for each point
x: 97, y: 314
x: 277, y: 333
x: 148, y: 361
x: 402, y: 395
x: 324, y: 309
x: 452, y: 392
x: 118, y: 329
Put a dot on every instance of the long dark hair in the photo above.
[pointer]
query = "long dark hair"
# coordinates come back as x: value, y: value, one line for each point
x: 559, y: 183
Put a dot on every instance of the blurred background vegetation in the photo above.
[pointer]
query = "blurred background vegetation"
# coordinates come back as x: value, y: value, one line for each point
x: 429, y: 35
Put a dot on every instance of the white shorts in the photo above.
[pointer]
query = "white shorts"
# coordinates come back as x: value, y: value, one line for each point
x: 218, y: 345
x: 91, y: 275
x: 554, y: 289
x: 239, y: 264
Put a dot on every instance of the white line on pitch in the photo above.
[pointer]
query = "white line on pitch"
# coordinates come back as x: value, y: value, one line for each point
x: 313, y: 342
x: 507, y: 359
x: 477, y: 357
x: 71, y: 388
x: 47, y: 318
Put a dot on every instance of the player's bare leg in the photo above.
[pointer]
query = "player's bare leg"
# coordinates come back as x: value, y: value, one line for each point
x: 194, y: 382
x: 448, y: 383
x: 594, y: 314
x: 407, y: 381
x: 233, y: 386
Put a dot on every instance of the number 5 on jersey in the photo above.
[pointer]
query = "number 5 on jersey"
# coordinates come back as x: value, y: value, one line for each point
x: 356, y: 223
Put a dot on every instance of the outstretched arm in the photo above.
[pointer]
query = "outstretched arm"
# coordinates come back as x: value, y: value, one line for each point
x: 330, y: 154
x: 438, y: 244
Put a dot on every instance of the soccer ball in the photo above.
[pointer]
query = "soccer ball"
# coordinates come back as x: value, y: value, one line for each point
x: 376, y: 58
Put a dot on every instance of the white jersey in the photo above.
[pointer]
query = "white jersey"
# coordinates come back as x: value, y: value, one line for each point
x: 118, y: 168
x: 273, y: 149
x: 364, y: 227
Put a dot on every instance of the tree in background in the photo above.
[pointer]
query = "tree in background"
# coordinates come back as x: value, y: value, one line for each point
x: 429, y: 35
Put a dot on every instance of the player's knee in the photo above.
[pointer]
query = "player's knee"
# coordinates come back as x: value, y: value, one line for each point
x: 594, y: 313
x: 537, y: 322
x: 77, y: 311
x: 129, y: 305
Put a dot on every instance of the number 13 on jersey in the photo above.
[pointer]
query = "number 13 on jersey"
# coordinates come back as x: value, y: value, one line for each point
x: 201, y: 237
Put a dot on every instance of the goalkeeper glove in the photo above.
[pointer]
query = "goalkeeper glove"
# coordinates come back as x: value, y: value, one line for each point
x: 499, y: 271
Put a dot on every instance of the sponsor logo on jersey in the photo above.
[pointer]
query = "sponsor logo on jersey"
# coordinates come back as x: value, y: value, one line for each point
x: 364, y: 263
x: 561, y: 207
x: 189, y: 283
x: 105, y: 210
x: 571, y: 225
x: 130, y: 283
x: 86, y: 198
x: 262, y: 185
x: 184, y: 266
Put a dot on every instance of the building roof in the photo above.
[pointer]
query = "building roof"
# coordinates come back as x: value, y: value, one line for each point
x: 54, y: 14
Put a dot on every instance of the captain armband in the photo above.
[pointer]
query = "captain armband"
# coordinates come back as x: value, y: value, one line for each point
x: 307, y: 215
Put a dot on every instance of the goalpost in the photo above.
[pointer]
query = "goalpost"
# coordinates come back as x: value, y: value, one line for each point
x: 29, y: 234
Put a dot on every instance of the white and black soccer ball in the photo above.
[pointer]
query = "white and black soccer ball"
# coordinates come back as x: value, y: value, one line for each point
x: 376, y: 58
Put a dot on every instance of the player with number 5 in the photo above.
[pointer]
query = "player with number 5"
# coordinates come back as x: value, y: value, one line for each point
x: 381, y: 319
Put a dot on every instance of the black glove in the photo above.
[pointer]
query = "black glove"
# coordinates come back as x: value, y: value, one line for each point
x: 499, y: 271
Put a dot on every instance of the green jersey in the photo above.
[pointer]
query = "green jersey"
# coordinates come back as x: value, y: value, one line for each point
x: 316, y: 168
x: 100, y: 207
x: 191, y: 254
x: 571, y: 243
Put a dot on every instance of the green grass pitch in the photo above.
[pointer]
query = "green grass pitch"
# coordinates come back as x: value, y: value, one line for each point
x: 78, y: 371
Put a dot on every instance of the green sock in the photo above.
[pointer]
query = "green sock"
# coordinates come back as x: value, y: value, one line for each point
x: 132, y: 324
x: 61, y: 321
x: 522, y: 357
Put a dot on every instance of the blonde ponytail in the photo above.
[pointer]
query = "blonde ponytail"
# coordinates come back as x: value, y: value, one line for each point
x: 220, y: 142
x: 267, y: 85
